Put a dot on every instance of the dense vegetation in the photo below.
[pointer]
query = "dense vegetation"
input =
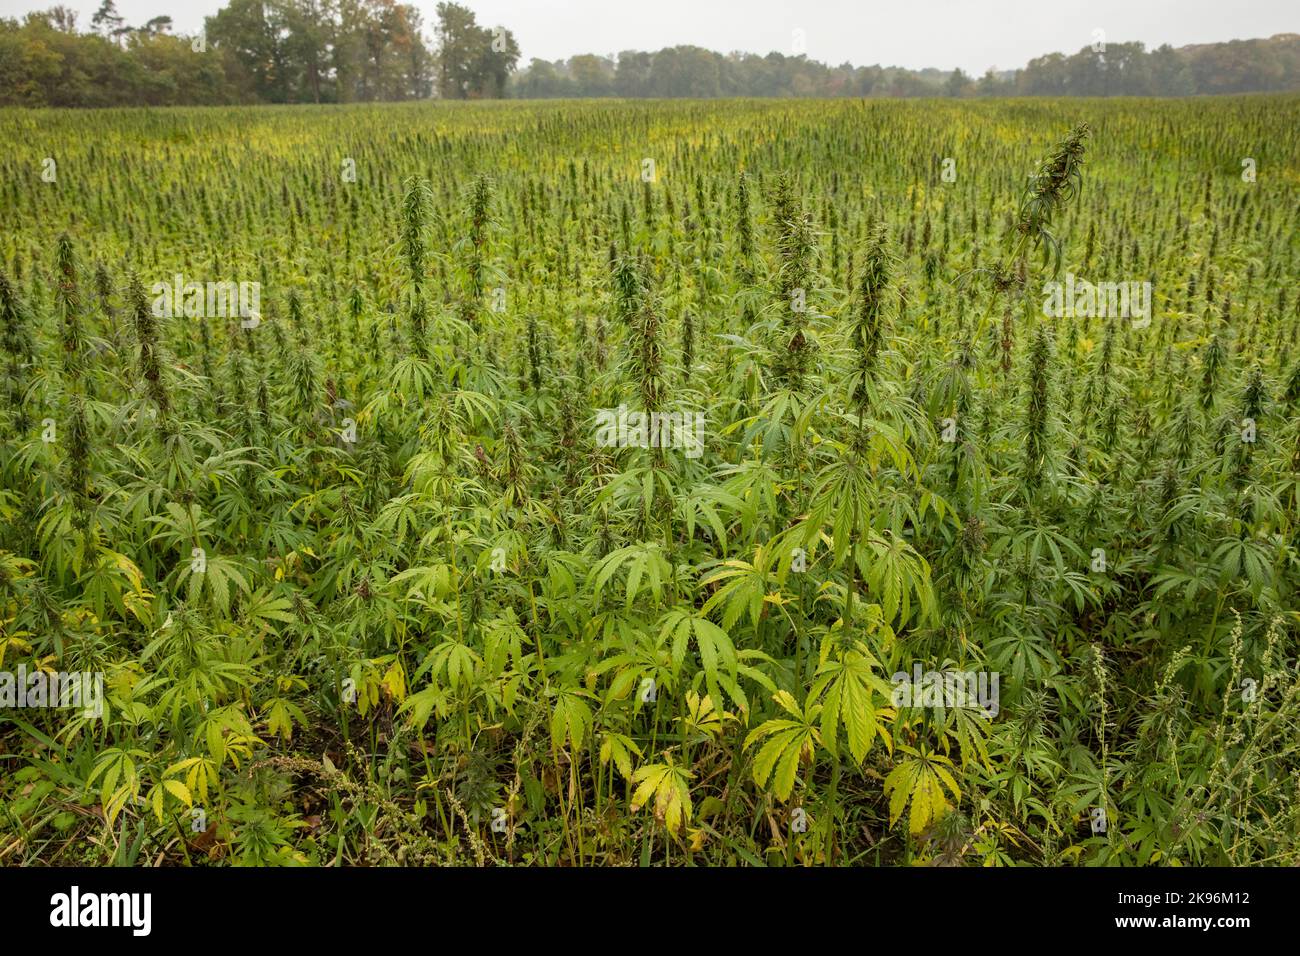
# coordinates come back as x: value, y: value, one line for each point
x: 1101, y: 69
x: 252, y: 51
x: 346, y: 51
x: 366, y: 588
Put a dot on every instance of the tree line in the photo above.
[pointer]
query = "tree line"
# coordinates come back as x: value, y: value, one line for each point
x: 343, y: 51
x: 1118, y: 69
x: 254, y: 51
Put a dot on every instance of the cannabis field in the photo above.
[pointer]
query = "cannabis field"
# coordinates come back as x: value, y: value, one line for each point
x: 740, y: 482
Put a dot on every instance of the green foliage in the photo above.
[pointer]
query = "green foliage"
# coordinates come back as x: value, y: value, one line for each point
x: 366, y: 586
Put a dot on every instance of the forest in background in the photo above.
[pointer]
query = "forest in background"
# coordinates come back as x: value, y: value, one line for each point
x: 343, y: 51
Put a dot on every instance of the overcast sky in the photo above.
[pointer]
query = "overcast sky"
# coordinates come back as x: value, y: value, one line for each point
x: 971, y: 34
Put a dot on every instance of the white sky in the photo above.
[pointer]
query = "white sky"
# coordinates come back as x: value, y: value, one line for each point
x: 972, y: 34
